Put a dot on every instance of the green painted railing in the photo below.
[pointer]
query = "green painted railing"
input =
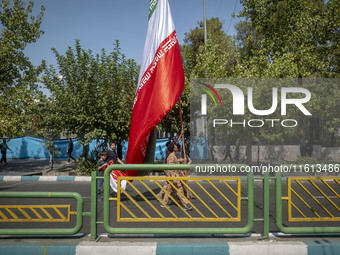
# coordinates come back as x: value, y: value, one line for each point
x: 159, y: 230
x: 294, y: 230
x: 143, y: 167
x: 46, y: 231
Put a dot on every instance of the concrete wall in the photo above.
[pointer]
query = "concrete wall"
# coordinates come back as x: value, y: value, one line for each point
x: 279, y: 154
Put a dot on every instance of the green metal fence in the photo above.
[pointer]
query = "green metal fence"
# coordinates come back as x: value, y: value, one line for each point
x: 42, y: 213
x: 301, y: 229
x: 115, y: 230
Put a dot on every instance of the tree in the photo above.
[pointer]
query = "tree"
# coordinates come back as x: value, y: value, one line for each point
x: 18, y: 77
x: 296, y: 39
x: 92, y: 95
x: 277, y: 39
x: 217, y: 59
x: 289, y: 38
x: 47, y: 125
x: 194, y: 44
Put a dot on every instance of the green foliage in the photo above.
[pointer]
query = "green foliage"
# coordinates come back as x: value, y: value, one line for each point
x: 276, y: 39
x: 217, y: 59
x: 296, y: 39
x: 92, y: 95
x: 196, y: 54
x: 307, y: 161
x: 289, y: 38
x: 18, y: 77
x: 88, y: 165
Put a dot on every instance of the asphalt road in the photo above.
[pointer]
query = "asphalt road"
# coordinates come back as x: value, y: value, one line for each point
x: 84, y: 190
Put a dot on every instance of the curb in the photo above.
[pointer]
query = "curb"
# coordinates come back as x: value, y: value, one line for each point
x: 46, y: 178
x: 67, y: 178
x: 168, y: 247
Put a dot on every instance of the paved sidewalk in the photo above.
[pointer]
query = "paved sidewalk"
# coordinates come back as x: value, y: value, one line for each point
x: 218, y: 245
x: 32, y: 167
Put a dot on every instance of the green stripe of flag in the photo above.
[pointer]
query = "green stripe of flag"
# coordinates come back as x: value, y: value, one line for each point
x: 153, y: 5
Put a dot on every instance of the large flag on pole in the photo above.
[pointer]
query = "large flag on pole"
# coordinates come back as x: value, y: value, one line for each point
x: 160, y: 82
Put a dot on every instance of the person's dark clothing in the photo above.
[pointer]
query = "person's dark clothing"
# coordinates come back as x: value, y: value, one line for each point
x: 228, y: 153
x: 100, y: 173
x: 70, y: 147
x: 303, y: 151
x: 3, y: 157
x: 111, y: 156
x: 99, y: 164
x: 237, y: 150
x: 309, y: 149
x: 69, y: 151
x: 119, y: 151
x: 97, y: 150
x: 4, y: 147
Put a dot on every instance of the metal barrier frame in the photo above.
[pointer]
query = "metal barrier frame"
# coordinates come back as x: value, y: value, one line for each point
x: 310, y: 180
x: 144, y: 167
x: 47, y: 231
x: 294, y: 230
x: 236, y: 218
x: 161, y: 167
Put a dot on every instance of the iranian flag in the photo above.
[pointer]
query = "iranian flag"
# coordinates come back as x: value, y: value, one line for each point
x: 160, y: 82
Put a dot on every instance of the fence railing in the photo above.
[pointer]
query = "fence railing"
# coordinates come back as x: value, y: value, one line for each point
x: 173, y: 230
x: 41, y: 213
x: 212, y: 200
x: 217, y: 199
x: 315, y: 209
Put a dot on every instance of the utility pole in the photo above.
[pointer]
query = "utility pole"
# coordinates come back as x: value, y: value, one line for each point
x: 205, y: 22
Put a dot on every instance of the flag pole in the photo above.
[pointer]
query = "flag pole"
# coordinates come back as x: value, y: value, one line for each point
x: 180, y: 117
x: 183, y: 145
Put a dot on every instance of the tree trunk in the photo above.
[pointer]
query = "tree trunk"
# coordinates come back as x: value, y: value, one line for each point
x: 302, y: 118
x: 86, y: 149
x: 249, y: 148
x: 211, y: 141
x: 51, y: 160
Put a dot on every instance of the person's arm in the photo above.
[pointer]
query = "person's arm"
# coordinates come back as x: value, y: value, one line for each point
x: 182, y: 160
x: 181, y: 172
x: 179, y: 137
x: 119, y: 161
x: 102, y: 166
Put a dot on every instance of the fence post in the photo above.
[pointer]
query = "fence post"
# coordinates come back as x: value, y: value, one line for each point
x: 278, y: 200
x: 93, y: 205
x: 266, y: 204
